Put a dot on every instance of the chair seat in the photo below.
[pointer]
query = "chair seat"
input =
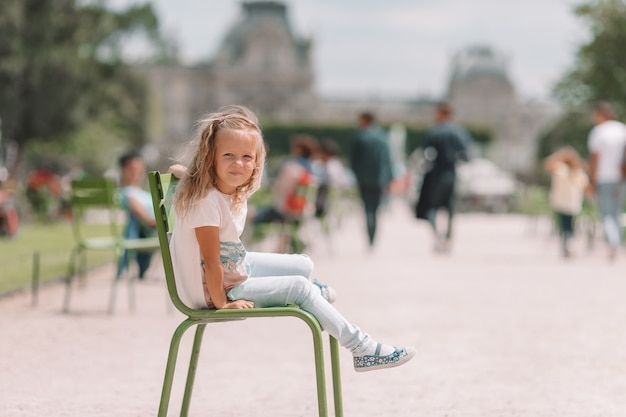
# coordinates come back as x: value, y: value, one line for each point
x: 105, y: 242
x: 242, y: 314
x: 142, y: 243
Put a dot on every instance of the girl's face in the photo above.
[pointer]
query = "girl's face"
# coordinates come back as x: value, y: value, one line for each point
x: 235, y: 158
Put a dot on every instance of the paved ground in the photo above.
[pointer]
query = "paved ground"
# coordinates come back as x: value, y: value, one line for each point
x: 503, y: 327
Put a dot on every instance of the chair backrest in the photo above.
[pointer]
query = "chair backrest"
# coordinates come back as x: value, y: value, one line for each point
x: 94, y: 193
x: 162, y: 188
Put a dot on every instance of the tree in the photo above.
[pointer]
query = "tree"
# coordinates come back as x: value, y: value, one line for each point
x: 61, y: 68
x: 600, y: 69
x: 599, y: 73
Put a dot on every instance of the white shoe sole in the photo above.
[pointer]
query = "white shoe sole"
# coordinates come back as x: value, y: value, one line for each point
x: 410, y: 353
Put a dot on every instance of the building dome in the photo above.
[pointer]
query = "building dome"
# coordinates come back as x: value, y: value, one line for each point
x: 479, y: 61
x: 263, y: 34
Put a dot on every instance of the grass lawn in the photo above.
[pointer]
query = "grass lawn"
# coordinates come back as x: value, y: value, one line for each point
x: 53, y: 242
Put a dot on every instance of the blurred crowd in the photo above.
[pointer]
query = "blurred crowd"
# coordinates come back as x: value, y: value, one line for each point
x: 446, y: 174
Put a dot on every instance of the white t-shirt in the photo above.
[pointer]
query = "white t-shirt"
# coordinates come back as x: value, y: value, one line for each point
x: 608, y: 140
x: 213, y: 210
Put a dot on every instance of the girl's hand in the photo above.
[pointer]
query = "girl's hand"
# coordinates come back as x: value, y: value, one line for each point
x: 239, y: 304
x: 178, y: 170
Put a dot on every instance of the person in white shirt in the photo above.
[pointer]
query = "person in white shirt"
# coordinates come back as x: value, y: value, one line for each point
x: 606, y: 144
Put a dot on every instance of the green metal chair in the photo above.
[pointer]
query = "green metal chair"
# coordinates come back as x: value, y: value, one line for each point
x: 162, y: 187
x: 100, y: 193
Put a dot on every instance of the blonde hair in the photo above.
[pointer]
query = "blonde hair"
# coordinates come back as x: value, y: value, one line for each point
x: 201, y: 176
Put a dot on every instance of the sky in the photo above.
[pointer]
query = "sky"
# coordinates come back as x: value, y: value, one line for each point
x: 399, y: 48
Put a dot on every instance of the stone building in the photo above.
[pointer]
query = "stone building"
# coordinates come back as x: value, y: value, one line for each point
x: 263, y: 64
x: 260, y: 63
x: 482, y: 94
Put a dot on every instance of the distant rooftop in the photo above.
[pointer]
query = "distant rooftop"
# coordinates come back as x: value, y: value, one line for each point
x: 478, y: 61
x: 263, y: 20
x: 272, y: 7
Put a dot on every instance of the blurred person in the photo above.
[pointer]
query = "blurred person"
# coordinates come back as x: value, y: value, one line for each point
x: 370, y: 160
x: 606, y: 144
x: 137, y: 202
x: 43, y: 191
x: 444, y: 146
x: 294, y: 174
x: 330, y: 173
x: 290, y: 193
x: 9, y: 218
x: 74, y: 171
x: 567, y: 191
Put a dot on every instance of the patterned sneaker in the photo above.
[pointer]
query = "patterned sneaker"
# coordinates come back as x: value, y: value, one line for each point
x: 327, y: 292
x: 376, y: 361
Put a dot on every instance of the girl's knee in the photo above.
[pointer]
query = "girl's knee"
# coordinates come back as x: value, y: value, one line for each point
x: 302, y: 285
x: 305, y: 265
x: 301, y: 281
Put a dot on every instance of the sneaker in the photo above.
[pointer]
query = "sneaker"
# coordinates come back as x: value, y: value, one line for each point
x: 328, y: 292
x: 372, y: 362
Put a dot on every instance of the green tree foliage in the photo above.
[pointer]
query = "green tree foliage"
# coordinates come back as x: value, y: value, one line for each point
x: 572, y: 129
x: 600, y: 69
x: 599, y: 73
x: 62, y: 68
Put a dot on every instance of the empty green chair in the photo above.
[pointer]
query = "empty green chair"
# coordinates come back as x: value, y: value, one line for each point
x: 101, y: 194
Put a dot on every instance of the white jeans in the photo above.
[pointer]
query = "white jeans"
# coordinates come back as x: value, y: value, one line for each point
x: 277, y: 279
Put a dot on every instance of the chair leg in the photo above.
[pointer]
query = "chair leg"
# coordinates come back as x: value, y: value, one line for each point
x: 318, y: 350
x: 334, y: 361
x: 118, y: 276
x: 71, y: 271
x: 193, y: 366
x: 81, y: 271
x: 131, y: 282
x: 116, y: 279
x: 131, y: 293
x: 168, y: 302
x: 171, y: 366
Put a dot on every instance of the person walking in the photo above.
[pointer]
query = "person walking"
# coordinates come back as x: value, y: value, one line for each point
x: 606, y: 144
x: 211, y: 265
x: 567, y: 191
x: 370, y: 160
x: 444, y: 145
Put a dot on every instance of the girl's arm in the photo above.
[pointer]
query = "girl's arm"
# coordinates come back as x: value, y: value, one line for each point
x: 209, y: 241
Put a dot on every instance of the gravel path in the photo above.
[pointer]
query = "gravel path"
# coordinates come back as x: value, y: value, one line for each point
x: 503, y: 327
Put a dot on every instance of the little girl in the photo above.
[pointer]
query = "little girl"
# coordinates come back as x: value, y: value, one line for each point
x: 569, y: 182
x: 212, y: 267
